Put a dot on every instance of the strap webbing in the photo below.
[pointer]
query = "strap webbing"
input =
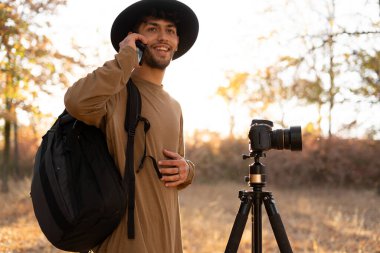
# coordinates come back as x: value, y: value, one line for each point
x: 131, y: 120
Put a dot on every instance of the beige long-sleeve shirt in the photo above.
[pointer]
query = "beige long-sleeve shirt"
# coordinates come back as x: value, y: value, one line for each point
x: 100, y: 99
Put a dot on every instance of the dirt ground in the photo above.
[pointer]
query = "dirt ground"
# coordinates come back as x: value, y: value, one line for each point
x: 316, y: 220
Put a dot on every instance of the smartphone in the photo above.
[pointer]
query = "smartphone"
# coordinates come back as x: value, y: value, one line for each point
x: 140, y: 51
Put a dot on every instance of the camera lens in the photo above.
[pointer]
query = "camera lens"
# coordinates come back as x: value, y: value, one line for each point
x: 287, y: 139
x: 295, y: 138
x: 277, y: 139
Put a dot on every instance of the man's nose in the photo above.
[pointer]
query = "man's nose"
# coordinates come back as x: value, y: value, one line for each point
x: 162, y: 35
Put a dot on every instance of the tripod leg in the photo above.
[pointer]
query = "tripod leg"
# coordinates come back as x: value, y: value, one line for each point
x: 257, y: 223
x: 276, y: 223
x: 240, y: 222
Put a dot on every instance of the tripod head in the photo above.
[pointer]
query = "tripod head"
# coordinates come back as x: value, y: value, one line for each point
x: 256, y: 178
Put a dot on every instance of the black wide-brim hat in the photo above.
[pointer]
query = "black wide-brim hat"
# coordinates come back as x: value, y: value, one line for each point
x: 187, y: 26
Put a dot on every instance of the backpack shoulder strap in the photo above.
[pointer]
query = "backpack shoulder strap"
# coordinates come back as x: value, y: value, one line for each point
x: 133, y: 108
x: 132, y: 117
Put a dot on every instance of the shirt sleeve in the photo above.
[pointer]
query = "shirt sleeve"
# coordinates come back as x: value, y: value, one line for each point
x: 190, y: 164
x: 86, y: 99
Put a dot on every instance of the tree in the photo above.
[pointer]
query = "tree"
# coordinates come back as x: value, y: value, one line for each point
x: 232, y: 94
x: 29, y: 66
x: 369, y: 65
x: 320, y: 66
x: 268, y: 88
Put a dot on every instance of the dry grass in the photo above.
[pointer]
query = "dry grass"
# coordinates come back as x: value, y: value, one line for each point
x: 316, y: 220
x: 19, y: 231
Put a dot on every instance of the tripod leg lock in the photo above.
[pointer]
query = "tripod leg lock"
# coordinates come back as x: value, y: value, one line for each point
x: 240, y: 221
x: 269, y: 204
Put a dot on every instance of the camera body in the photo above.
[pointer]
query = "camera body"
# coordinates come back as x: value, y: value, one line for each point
x: 263, y: 138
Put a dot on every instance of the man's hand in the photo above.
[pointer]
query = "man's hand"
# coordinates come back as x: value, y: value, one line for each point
x: 174, y: 170
x: 130, y: 40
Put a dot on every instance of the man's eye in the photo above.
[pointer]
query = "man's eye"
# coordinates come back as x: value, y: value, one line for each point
x: 172, y: 31
x: 152, y: 29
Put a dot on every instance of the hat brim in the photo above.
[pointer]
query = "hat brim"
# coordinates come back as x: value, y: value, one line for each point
x: 187, y: 27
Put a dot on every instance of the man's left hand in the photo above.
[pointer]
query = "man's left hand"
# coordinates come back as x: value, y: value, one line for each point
x: 174, y: 170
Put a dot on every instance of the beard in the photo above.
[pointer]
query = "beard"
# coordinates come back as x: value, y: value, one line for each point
x: 156, y: 62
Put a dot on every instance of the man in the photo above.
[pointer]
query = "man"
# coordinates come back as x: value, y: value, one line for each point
x: 168, y: 28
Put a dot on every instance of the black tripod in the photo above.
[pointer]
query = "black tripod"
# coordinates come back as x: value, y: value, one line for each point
x: 254, y: 198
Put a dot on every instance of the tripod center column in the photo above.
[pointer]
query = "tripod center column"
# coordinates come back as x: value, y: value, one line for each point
x: 257, y: 174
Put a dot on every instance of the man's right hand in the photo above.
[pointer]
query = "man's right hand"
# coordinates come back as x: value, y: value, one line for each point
x: 130, y: 40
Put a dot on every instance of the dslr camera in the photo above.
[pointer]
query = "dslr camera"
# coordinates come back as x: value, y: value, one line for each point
x: 263, y: 138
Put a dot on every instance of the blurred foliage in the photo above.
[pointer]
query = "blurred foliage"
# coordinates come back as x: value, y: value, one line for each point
x: 322, y: 162
x: 370, y: 73
x: 29, y: 67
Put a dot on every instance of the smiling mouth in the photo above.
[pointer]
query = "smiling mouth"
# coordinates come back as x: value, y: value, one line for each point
x: 162, y: 49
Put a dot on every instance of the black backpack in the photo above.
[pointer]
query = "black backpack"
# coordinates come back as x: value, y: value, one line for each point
x: 78, y: 194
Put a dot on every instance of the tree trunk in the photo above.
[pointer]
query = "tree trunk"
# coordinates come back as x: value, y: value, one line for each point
x: 16, y: 158
x: 332, y: 91
x: 319, y: 120
x: 6, y: 152
x: 232, y: 126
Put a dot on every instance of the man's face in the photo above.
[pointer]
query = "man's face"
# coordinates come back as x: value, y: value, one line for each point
x: 162, y: 42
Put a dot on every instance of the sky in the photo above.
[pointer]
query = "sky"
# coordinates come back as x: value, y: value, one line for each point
x: 230, y: 39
